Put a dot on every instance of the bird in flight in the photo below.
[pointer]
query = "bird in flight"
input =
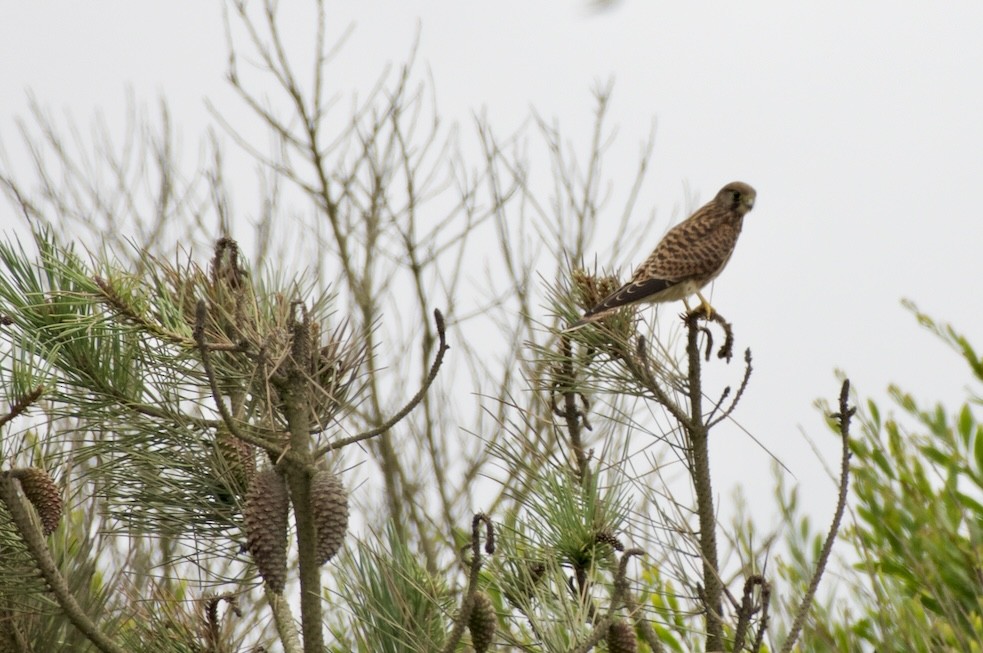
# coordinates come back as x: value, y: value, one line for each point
x: 688, y: 257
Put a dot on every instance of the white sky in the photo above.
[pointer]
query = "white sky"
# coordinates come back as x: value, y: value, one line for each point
x: 859, y: 124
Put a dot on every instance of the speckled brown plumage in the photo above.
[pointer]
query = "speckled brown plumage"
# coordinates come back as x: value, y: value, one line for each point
x: 690, y: 255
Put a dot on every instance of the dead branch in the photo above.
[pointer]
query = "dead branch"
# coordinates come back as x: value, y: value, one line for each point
x: 405, y: 410
x: 843, y: 417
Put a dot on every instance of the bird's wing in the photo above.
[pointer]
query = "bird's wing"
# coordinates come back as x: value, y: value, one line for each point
x: 694, y: 249
x: 630, y: 293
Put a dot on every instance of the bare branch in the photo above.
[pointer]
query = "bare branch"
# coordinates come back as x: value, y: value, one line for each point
x: 843, y: 417
x: 748, y: 608
x: 699, y: 453
x: 405, y: 410
x: 737, y: 397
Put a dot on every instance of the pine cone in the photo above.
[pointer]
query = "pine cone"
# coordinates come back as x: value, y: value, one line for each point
x: 265, y: 516
x: 43, y: 494
x: 329, y: 503
x: 236, y: 458
x: 621, y: 638
x: 482, y: 622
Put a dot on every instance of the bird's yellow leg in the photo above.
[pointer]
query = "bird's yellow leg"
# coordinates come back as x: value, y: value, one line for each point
x: 704, y: 304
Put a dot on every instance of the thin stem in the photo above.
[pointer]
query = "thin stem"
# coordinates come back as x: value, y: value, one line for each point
x: 843, y: 417
x: 22, y: 404
x: 286, y: 627
x: 747, y: 608
x: 711, y: 422
x: 640, y: 367
x: 648, y: 633
x: 410, y: 405
x: 468, y: 604
x: 571, y: 413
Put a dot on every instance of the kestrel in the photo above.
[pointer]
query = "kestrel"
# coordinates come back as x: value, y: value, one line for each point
x: 690, y: 256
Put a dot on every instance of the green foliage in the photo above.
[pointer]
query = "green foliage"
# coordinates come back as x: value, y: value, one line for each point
x: 397, y: 605
x: 555, y: 558
x: 28, y: 609
x: 133, y: 416
x: 566, y: 515
x: 671, y: 623
x: 917, y: 534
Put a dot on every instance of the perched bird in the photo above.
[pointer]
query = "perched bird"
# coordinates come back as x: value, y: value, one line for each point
x: 690, y: 256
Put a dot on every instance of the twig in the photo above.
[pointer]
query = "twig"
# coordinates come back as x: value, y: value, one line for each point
x: 468, y: 604
x: 212, y: 621
x: 726, y: 349
x: 763, y: 622
x: 621, y: 579
x: 571, y: 412
x: 639, y: 366
x: 231, y: 274
x: 22, y: 405
x: 846, y: 412
x: 705, y: 330
x: 599, y: 632
x: 32, y: 537
x: 737, y: 397
x: 405, y: 410
x: 283, y: 619
x: 747, y: 608
x: 648, y: 633
x: 716, y: 406
x: 112, y: 298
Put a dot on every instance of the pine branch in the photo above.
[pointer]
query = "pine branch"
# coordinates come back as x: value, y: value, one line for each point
x: 227, y: 418
x: 297, y: 409
x: 698, y: 433
x: 31, y: 535
x: 476, y: 561
x: 22, y: 404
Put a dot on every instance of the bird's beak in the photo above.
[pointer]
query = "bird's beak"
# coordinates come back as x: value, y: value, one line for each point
x: 749, y: 202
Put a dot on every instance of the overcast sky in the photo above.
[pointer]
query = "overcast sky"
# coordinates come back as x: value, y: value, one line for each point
x: 859, y: 124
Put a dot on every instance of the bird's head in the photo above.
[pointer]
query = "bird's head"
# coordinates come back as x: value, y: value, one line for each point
x: 737, y: 196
